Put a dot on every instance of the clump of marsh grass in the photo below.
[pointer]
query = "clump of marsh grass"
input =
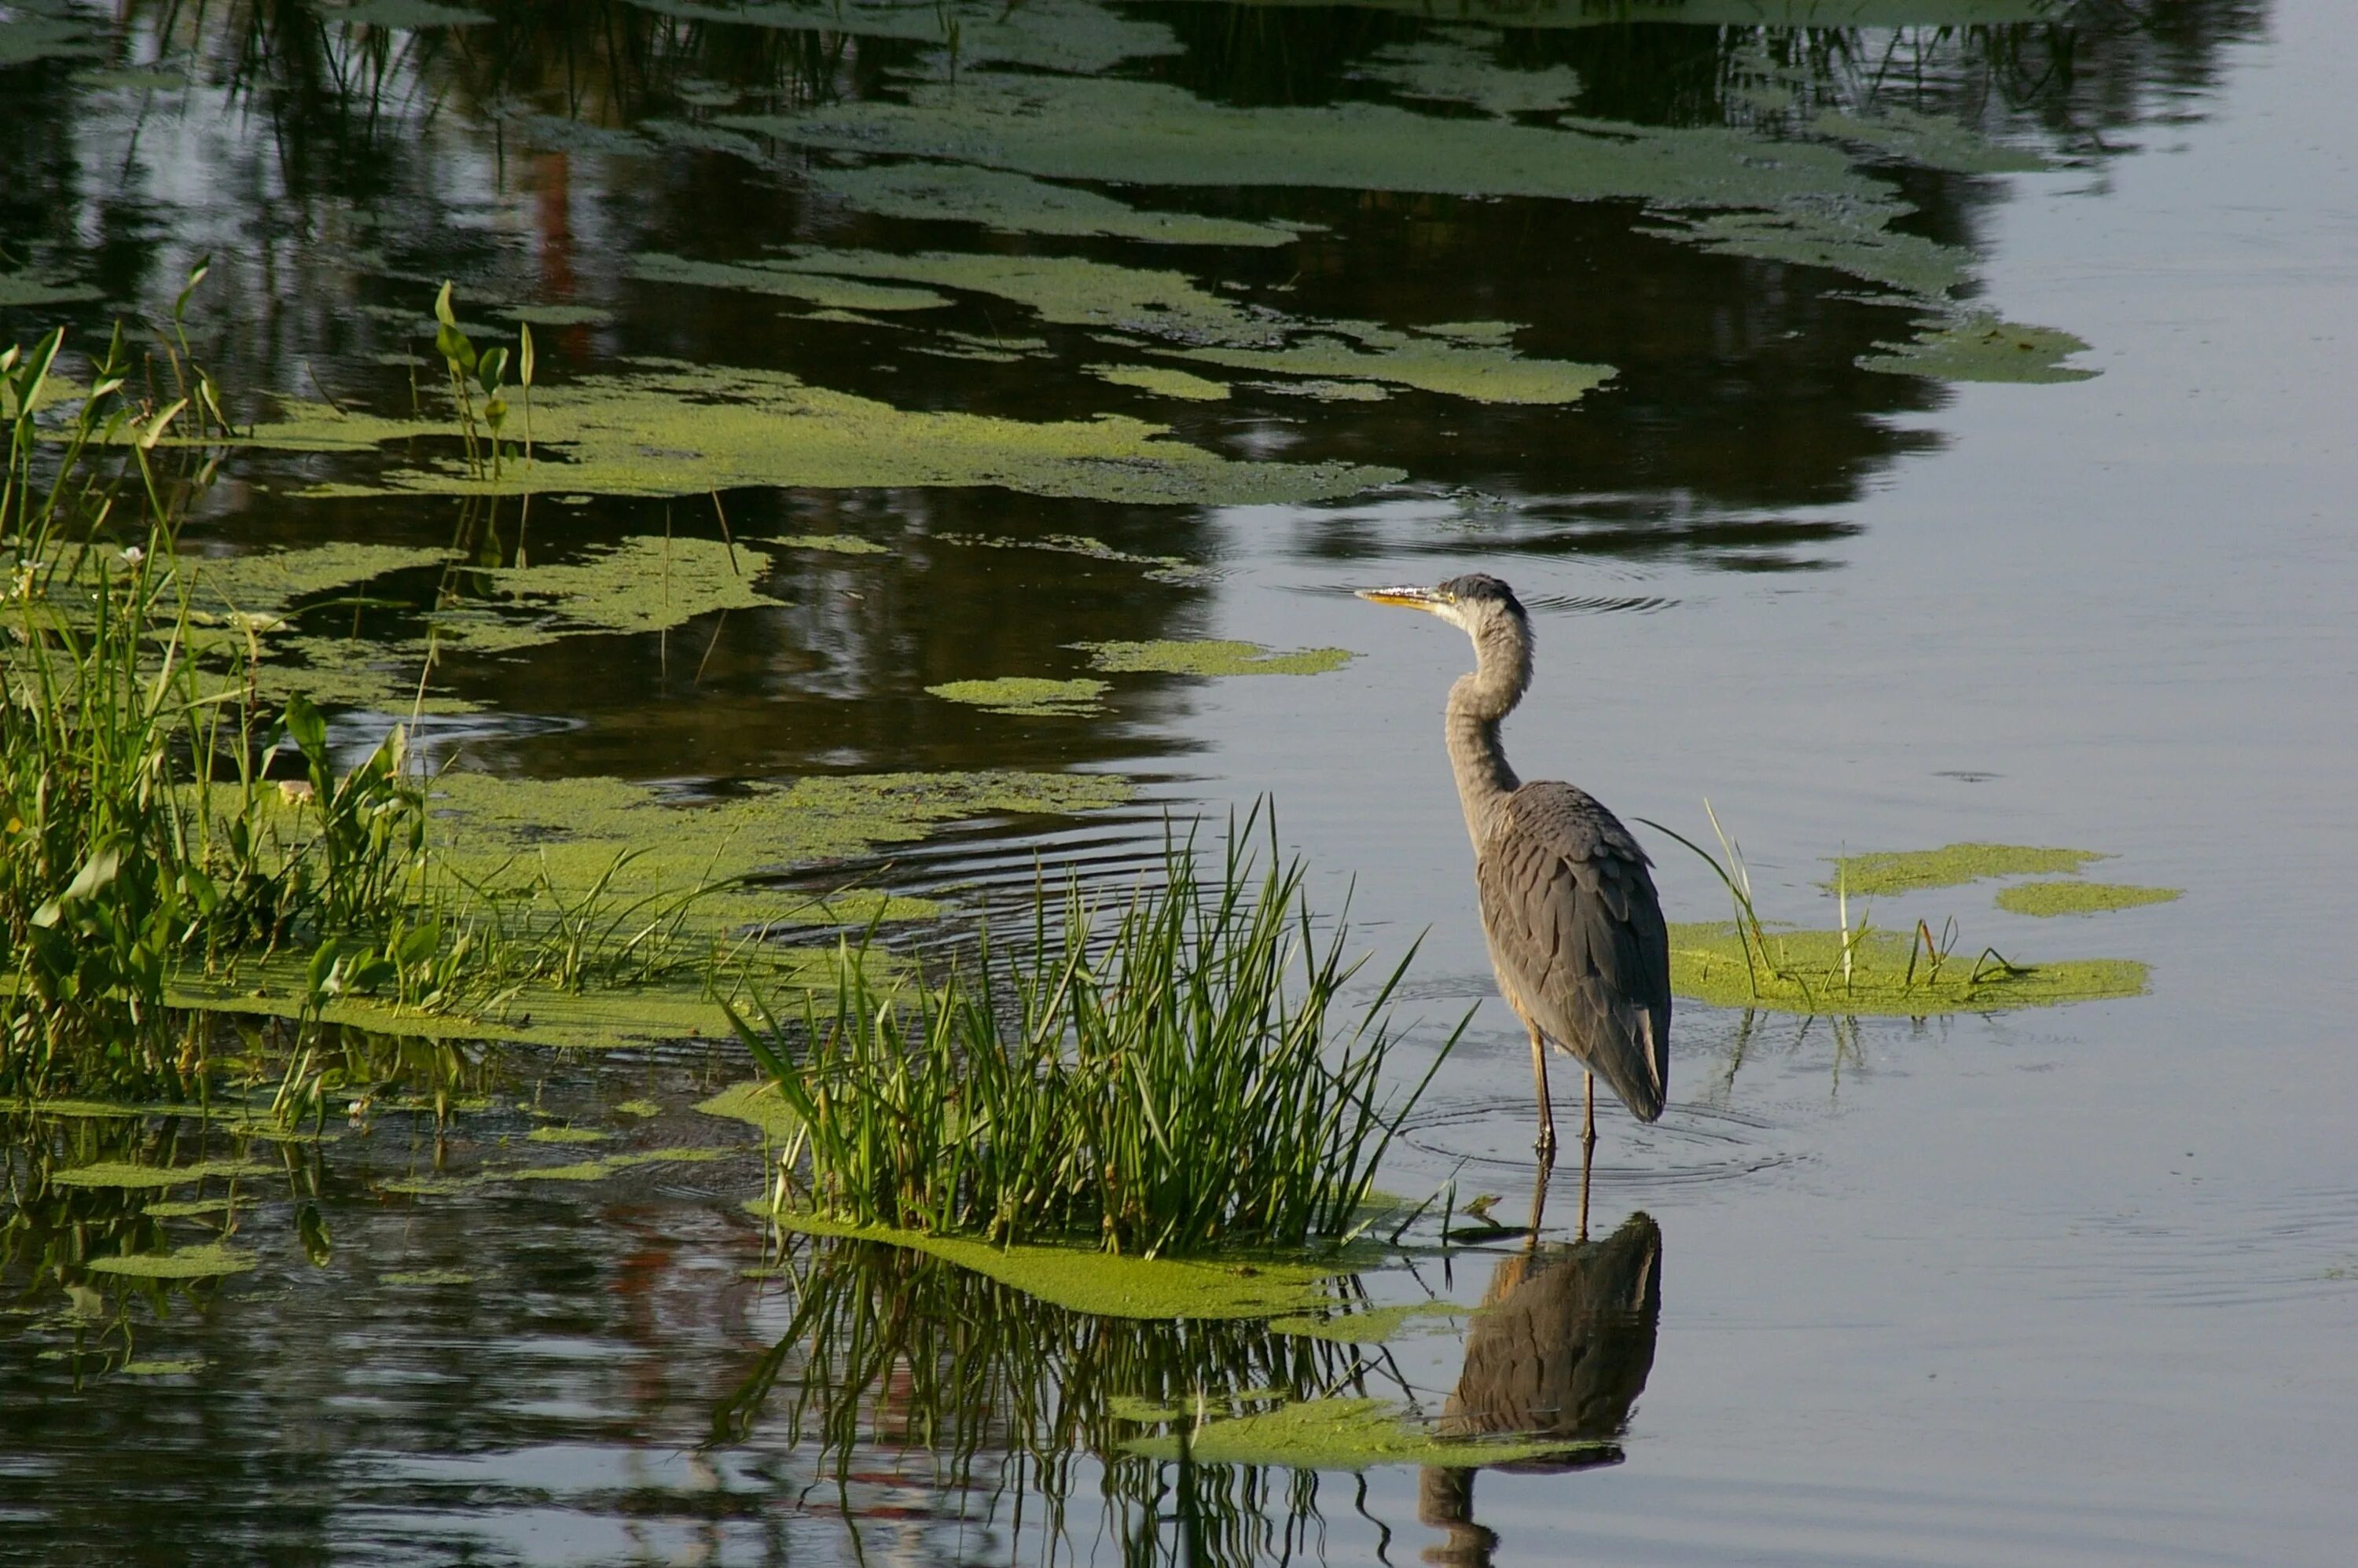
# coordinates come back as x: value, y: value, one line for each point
x: 1170, y: 1079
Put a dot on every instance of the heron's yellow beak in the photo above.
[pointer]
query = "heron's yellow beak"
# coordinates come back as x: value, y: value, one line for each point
x: 1423, y: 599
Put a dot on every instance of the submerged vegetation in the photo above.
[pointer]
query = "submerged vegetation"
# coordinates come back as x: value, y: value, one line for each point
x: 1072, y: 1092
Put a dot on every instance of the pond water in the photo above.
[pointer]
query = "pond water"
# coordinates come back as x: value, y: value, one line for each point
x: 1757, y: 358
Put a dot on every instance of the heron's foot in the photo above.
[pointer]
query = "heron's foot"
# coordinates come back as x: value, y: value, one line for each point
x: 1544, y: 1145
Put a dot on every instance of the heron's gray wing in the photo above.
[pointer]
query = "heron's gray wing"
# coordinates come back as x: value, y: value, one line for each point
x: 1577, y: 933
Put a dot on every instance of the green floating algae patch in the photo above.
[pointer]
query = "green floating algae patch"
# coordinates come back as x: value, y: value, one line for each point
x: 1952, y: 865
x: 1076, y: 292
x: 1890, y: 974
x: 667, y: 429
x: 2044, y: 899
x: 768, y: 277
x: 565, y: 1135
x: 1018, y: 204
x: 1454, y: 70
x: 557, y: 315
x: 830, y: 543
x: 1033, y: 695
x: 1931, y: 141
x: 640, y: 1108
x: 187, y: 1263
x: 1343, y: 1434
x: 1176, y: 569
x: 1324, y: 390
x: 122, y: 1174
x: 180, y: 1368
x: 1081, y: 1279
x: 1162, y: 383
x: 643, y: 584
x: 1376, y: 1325
x: 1211, y: 657
x: 757, y: 1104
x: 25, y: 288
x: 1985, y: 348
x: 613, y: 1164
x: 427, y: 1279
x: 190, y: 1208
x: 1051, y: 35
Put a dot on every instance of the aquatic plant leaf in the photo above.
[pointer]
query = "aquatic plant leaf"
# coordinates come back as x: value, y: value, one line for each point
x: 1344, y: 1433
x: 1016, y: 203
x: 1213, y: 658
x: 1802, y: 972
x: 1082, y: 1279
x: 123, y: 1174
x: 1952, y: 865
x: 1025, y: 694
x: 187, y: 1263
x: 1984, y: 348
x: 2046, y: 899
x: 675, y: 430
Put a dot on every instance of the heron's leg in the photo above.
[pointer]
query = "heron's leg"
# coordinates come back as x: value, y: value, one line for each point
x: 1588, y: 1118
x: 1587, y: 1157
x: 1546, y: 1145
x: 1539, y: 1207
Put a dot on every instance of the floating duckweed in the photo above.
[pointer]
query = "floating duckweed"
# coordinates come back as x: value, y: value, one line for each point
x: 1016, y: 203
x: 1166, y: 568
x: 123, y: 1174
x: 558, y: 315
x: 1984, y: 348
x: 1343, y: 1434
x: 1933, y: 141
x: 1378, y: 1325
x: 429, y: 1186
x: 641, y: 1108
x: 1072, y: 291
x: 190, y: 1208
x: 182, y: 1369
x: 1847, y: 237
x: 833, y: 544
x: 1952, y: 865
x: 1324, y: 390
x: 1449, y: 69
x: 756, y: 1103
x: 266, y: 581
x: 23, y: 288
x: 1162, y: 383
x: 2078, y: 898
x: 1890, y: 976
x: 678, y: 429
x: 769, y: 278
x: 1028, y: 695
x: 1081, y: 1279
x: 565, y: 1135
x: 643, y: 584
x: 599, y: 1170
x: 427, y: 1279
x: 1213, y: 658
x: 187, y: 1263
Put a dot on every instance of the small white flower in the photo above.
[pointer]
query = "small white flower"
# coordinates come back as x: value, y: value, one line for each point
x: 133, y: 554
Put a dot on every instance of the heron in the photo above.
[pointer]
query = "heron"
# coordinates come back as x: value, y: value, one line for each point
x: 1569, y: 910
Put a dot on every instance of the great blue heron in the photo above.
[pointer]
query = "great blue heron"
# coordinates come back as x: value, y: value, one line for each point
x: 1568, y: 907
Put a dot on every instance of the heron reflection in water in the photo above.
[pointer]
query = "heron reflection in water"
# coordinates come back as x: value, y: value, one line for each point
x: 1560, y: 1349
x: 1569, y: 911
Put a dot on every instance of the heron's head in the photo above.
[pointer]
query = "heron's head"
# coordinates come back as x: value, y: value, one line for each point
x: 1478, y: 603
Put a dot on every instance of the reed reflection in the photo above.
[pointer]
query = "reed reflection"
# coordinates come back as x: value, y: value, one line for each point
x: 1560, y: 1348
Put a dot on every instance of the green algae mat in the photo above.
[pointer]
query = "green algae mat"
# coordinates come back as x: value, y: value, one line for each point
x: 1082, y: 1279
x: 1888, y: 975
x: 1336, y: 1433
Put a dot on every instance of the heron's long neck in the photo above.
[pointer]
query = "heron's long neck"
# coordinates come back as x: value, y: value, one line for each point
x: 1478, y: 703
